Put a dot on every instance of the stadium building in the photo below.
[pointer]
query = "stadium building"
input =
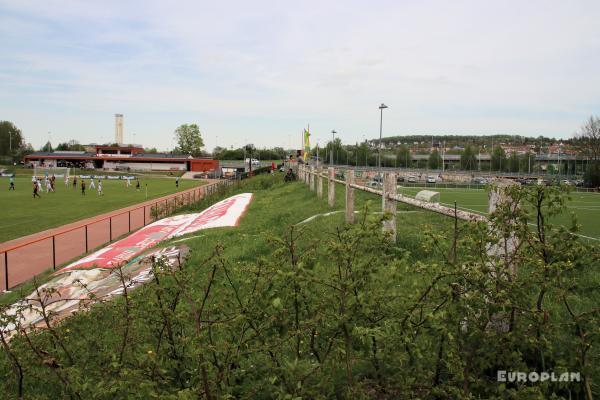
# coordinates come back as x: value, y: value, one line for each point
x: 121, y: 158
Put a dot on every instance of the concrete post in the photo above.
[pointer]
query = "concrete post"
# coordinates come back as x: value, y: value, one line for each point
x: 331, y: 186
x: 349, y: 196
x: 319, y: 184
x: 389, y: 205
x: 503, y: 252
x: 306, y: 175
x: 313, y: 179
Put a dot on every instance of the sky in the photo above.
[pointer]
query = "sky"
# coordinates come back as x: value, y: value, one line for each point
x: 260, y: 71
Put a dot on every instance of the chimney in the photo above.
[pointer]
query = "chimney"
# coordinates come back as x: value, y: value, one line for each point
x: 119, y: 129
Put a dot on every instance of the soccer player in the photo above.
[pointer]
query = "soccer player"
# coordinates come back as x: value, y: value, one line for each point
x: 75, y: 182
x: 177, y: 182
x: 83, y: 187
x: 66, y: 180
x: 49, y: 186
x: 12, y: 183
x: 100, y: 193
x: 128, y: 182
x: 92, y: 185
x: 35, y: 190
x: 39, y: 185
x: 137, y: 185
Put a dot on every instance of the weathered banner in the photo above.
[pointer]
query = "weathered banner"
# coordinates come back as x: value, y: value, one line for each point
x: 224, y: 213
x: 79, y: 289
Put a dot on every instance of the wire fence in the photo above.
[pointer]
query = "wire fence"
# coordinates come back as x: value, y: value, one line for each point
x: 21, y: 262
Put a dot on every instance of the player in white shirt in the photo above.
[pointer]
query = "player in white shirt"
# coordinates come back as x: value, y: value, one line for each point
x: 92, y: 185
x: 128, y: 182
x: 49, y: 186
x: 100, y: 193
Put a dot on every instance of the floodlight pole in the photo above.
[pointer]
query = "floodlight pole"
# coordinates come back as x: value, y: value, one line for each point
x: 381, y: 107
x: 333, y: 132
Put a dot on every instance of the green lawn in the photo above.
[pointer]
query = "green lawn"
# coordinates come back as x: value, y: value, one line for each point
x: 586, y: 206
x: 24, y: 215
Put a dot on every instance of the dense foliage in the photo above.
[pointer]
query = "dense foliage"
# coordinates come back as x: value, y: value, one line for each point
x: 340, y: 311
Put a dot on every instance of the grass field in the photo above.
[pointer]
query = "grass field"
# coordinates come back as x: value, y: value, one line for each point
x: 586, y: 206
x: 24, y: 215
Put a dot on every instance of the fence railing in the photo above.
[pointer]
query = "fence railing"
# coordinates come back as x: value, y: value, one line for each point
x: 22, y: 261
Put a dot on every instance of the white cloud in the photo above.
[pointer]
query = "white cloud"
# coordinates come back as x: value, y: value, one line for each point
x: 263, y: 69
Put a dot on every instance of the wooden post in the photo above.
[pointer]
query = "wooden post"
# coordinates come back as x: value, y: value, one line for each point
x: 331, y: 186
x: 313, y: 179
x: 349, y: 196
x: 388, y: 205
x: 319, y: 184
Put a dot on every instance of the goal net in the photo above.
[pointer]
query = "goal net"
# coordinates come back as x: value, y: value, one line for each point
x: 58, y: 172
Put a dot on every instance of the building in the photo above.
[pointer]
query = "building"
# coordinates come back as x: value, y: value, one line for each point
x: 122, y: 158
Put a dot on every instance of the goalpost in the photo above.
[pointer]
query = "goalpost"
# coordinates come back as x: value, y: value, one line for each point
x: 58, y: 172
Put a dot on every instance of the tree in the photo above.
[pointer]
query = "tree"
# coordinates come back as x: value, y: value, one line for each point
x: 588, y: 141
x: 403, y: 157
x: 189, y: 140
x: 435, y: 160
x: 468, y: 161
x: 47, y: 147
x: 11, y: 139
x: 498, y: 159
x: 513, y: 162
x: 71, y: 145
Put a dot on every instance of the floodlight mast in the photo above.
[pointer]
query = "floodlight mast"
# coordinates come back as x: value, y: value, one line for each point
x: 381, y: 108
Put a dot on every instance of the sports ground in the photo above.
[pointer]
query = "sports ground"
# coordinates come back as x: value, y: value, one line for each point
x: 585, y: 206
x: 23, y: 215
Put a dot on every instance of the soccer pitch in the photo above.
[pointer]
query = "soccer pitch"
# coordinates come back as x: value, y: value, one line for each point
x: 586, y: 206
x: 23, y: 215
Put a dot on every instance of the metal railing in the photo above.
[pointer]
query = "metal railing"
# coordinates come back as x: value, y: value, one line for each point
x: 23, y: 261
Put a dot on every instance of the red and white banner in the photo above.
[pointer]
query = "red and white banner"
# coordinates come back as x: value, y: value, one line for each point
x: 224, y: 213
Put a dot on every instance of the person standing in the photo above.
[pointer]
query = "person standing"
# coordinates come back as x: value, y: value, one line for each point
x: 128, y: 181
x: 177, y: 182
x: 92, y: 184
x: 137, y: 185
x: 83, y: 187
x: 100, y: 193
x: 74, y: 181
x: 35, y: 190
x: 12, y: 183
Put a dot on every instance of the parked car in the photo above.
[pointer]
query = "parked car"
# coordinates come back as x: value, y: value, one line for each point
x: 399, y: 179
x: 374, y: 184
x: 566, y: 182
x: 412, y: 179
x: 479, y: 180
x: 431, y: 179
x: 254, y: 161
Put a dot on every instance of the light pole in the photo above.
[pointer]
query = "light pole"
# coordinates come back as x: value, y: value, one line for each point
x: 381, y: 108
x: 333, y: 132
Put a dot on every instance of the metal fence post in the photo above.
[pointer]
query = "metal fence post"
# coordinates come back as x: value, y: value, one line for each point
x: 110, y: 228
x: 6, y: 270
x: 86, y: 238
x: 129, y: 220
x: 349, y: 196
x: 53, y: 253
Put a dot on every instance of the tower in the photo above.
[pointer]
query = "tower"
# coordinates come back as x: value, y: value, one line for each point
x: 119, y: 129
